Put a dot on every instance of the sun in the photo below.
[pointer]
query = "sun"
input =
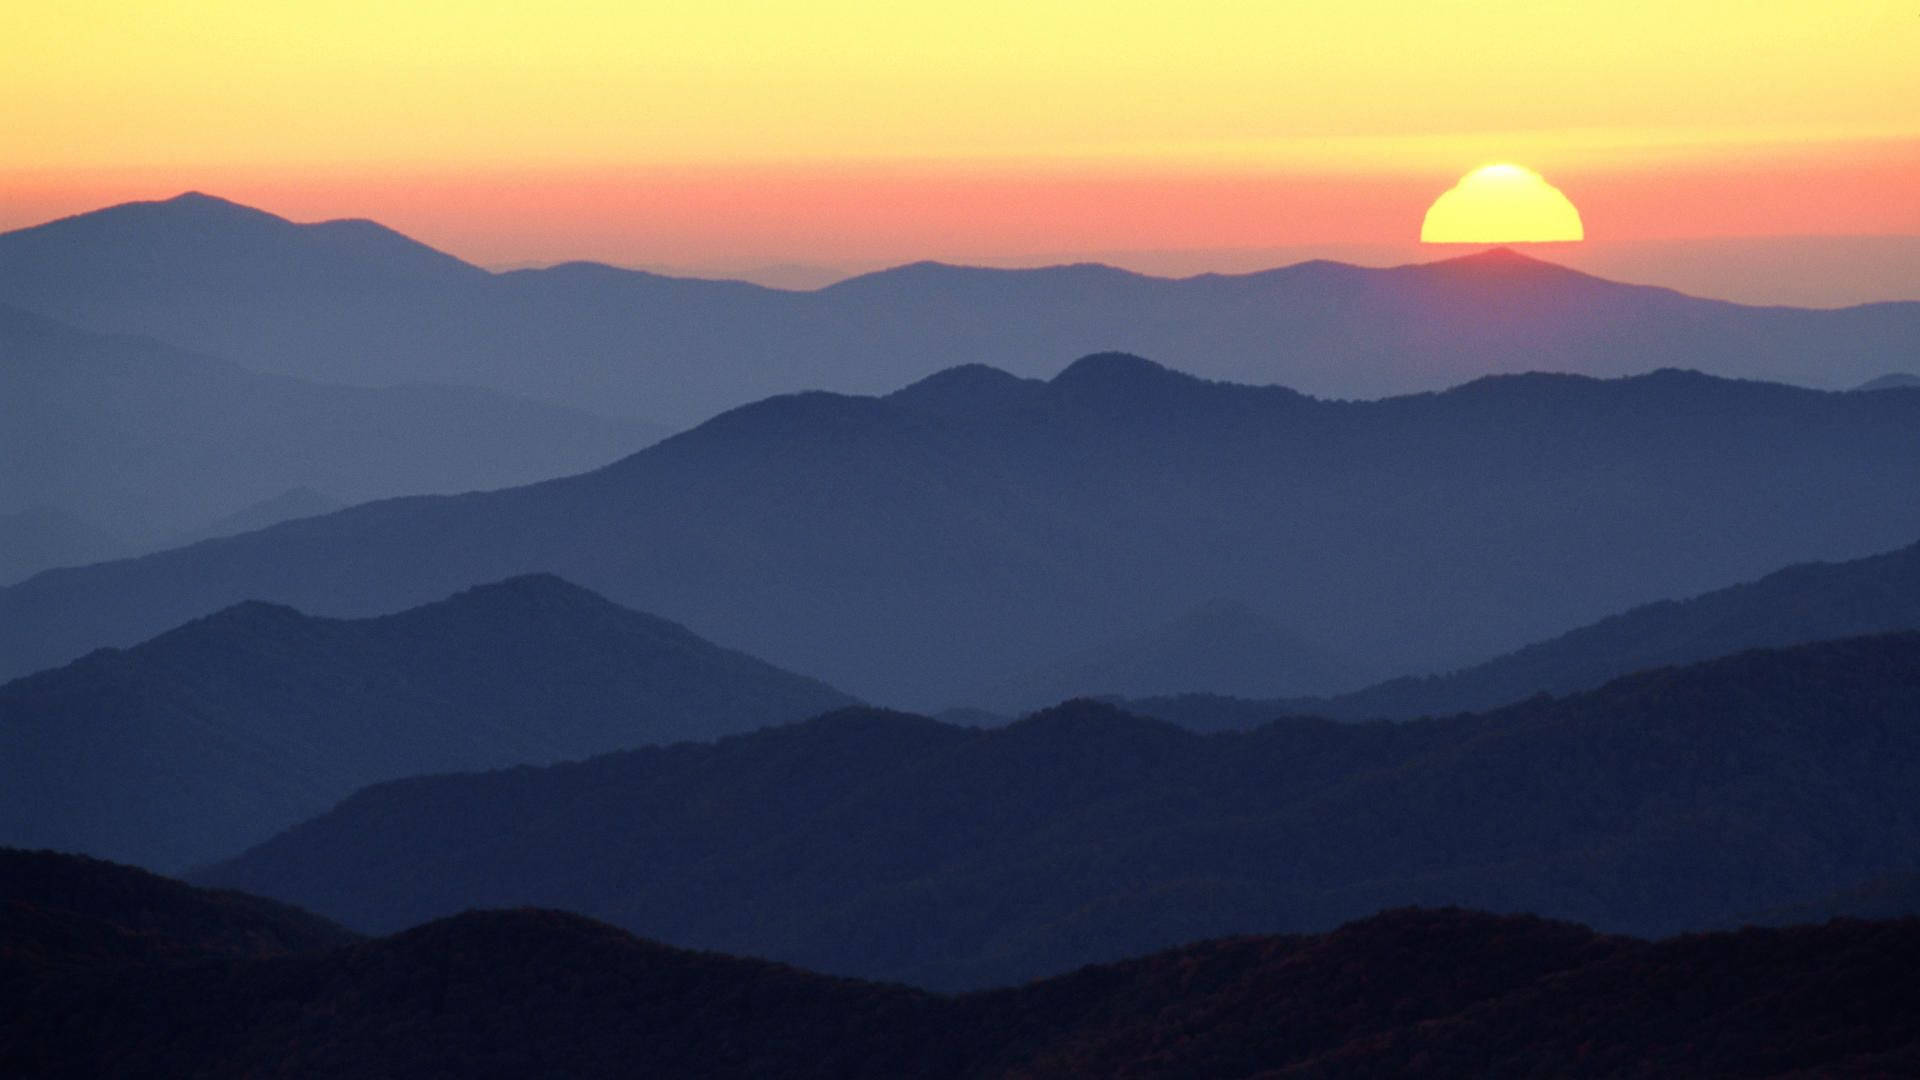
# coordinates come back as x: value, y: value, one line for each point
x: 1501, y: 204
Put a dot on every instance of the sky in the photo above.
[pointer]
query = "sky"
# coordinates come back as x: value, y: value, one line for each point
x: 839, y: 134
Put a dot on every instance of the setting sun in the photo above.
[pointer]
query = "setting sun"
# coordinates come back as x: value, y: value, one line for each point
x: 1501, y: 204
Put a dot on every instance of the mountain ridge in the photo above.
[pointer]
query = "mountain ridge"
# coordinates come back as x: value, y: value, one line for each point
x: 155, y: 443
x: 1804, y: 602
x: 683, y: 349
x: 216, y: 733
x: 870, y: 844
x: 1409, y: 992
x: 913, y: 549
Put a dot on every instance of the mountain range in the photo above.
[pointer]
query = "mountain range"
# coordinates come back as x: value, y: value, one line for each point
x: 1221, y: 645
x: 914, y: 548
x: 883, y: 845
x: 114, y: 972
x: 355, y: 302
x: 1809, y: 602
x: 134, y: 443
x: 215, y: 735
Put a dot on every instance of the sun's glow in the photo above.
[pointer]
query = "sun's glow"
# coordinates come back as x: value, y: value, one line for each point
x: 1502, y: 204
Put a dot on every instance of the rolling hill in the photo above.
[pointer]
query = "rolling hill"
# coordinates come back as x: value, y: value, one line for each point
x: 915, y: 547
x: 888, y: 846
x: 216, y: 735
x: 518, y: 993
x: 354, y: 302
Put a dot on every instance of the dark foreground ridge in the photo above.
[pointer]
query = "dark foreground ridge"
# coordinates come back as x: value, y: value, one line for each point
x: 530, y: 992
x: 882, y: 845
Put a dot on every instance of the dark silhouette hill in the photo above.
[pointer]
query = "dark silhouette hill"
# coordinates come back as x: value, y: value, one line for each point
x: 214, y: 736
x: 350, y: 301
x: 889, y: 846
x: 529, y: 992
x: 1896, y: 381
x: 916, y: 547
x: 61, y: 910
x: 151, y: 442
x: 1809, y: 602
x: 1220, y: 645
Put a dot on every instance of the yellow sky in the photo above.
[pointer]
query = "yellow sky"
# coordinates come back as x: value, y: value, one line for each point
x: 739, y: 134
x: 1307, y: 85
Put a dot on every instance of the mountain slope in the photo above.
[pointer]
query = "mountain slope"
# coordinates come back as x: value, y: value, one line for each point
x: 352, y: 302
x: 1406, y: 993
x: 889, y: 846
x: 61, y: 908
x: 915, y: 547
x: 1221, y: 646
x: 153, y: 441
x: 1804, y: 603
x: 216, y: 735
x: 38, y: 536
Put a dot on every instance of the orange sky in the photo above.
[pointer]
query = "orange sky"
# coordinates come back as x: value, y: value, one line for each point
x: 856, y: 133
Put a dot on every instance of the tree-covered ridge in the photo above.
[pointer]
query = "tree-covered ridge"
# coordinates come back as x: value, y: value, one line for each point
x: 891, y: 846
x: 531, y: 992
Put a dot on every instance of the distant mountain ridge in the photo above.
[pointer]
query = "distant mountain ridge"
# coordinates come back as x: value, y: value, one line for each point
x: 149, y: 442
x: 1809, y: 602
x: 217, y: 734
x: 1220, y: 645
x: 516, y: 993
x: 890, y: 846
x: 915, y: 547
x: 1899, y: 380
x: 353, y: 302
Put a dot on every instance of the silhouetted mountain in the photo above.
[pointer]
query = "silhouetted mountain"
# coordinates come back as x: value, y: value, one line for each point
x: 1221, y: 646
x: 60, y: 910
x: 916, y: 547
x: 890, y: 846
x: 1804, y: 603
x: 352, y: 302
x: 1406, y: 993
x: 216, y: 735
x: 1896, y: 381
x: 153, y: 442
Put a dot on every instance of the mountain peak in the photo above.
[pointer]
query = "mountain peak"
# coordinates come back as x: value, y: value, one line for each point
x: 1118, y: 369
x: 539, y: 586
x: 533, y: 598
x: 249, y: 616
x: 1084, y: 717
x: 1504, y: 264
x: 199, y: 198
x: 1899, y: 380
x: 228, y: 242
x: 1501, y: 257
x: 196, y: 206
x: 966, y: 389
